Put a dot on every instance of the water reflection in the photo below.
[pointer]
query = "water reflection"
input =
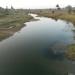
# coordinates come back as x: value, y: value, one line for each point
x: 53, y: 55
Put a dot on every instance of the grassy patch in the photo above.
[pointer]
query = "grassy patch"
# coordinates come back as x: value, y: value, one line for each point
x: 12, y: 23
x: 14, y: 20
x: 70, y: 54
x: 59, y: 15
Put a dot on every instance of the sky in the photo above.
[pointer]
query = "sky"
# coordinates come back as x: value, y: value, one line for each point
x: 33, y: 4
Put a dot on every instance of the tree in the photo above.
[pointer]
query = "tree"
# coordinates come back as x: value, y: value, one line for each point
x: 1, y: 9
x: 12, y: 8
x: 58, y: 7
x: 6, y: 11
x: 69, y: 8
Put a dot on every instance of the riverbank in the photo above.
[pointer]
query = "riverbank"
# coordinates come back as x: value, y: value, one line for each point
x: 10, y: 24
x: 58, y: 15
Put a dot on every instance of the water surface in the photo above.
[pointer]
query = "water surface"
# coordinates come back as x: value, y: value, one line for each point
x: 37, y: 49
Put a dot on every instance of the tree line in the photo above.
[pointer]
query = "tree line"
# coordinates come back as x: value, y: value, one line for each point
x: 6, y: 11
x: 69, y: 8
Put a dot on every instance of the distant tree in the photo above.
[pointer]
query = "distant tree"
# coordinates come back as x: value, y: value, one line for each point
x: 12, y: 8
x: 6, y: 11
x: 58, y: 7
x: 29, y: 10
x: 69, y: 8
x: 1, y: 10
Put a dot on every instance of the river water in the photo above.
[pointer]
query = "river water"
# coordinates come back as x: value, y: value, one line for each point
x: 38, y: 49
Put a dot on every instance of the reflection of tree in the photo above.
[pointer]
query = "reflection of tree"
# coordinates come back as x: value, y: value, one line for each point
x: 73, y: 30
x: 56, y: 52
x: 56, y: 59
x: 67, y: 22
x: 68, y: 26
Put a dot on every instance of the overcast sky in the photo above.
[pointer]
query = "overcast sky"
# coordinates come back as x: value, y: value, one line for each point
x: 36, y: 3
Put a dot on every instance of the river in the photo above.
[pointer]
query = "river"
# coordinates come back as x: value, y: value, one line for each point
x: 38, y: 49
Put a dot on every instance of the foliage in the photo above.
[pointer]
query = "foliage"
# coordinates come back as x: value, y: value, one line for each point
x: 69, y: 7
x: 58, y: 7
x: 71, y: 52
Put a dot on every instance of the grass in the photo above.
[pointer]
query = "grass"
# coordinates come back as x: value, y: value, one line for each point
x: 14, y: 20
x: 12, y: 23
x: 59, y: 15
x: 4, y: 35
x: 70, y: 54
